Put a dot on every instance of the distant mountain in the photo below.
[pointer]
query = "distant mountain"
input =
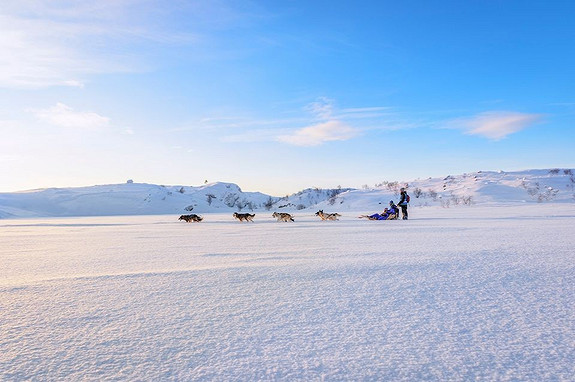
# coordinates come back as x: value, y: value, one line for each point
x: 531, y: 186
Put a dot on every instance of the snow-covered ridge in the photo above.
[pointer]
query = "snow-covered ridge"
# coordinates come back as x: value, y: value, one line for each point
x: 483, y: 187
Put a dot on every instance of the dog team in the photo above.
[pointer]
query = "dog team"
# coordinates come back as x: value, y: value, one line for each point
x: 280, y: 216
x: 391, y: 213
x: 285, y: 217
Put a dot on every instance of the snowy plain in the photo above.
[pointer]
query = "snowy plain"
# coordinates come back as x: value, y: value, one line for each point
x: 469, y: 293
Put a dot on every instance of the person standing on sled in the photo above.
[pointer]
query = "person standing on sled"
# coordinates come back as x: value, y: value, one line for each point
x: 403, y: 201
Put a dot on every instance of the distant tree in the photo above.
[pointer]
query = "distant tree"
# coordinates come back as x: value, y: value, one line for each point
x: 209, y: 198
x: 392, y: 186
x: 445, y: 203
x: 417, y: 192
x: 181, y: 190
x: 454, y: 198
x: 231, y: 199
x: 554, y: 171
x: 332, y: 194
x: 241, y: 204
x: 571, y: 185
x: 541, y: 194
x: 269, y: 203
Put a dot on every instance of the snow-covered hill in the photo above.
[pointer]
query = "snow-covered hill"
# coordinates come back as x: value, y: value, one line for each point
x: 556, y: 185
x: 483, y: 187
x: 129, y: 199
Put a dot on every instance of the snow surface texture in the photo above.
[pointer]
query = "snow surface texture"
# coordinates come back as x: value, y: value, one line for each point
x: 477, y: 293
x: 530, y: 186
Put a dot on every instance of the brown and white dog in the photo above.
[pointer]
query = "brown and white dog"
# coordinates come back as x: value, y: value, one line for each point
x: 325, y: 216
x: 191, y: 218
x: 246, y: 217
x: 283, y: 217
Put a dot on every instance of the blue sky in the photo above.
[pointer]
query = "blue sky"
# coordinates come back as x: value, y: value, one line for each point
x: 277, y: 96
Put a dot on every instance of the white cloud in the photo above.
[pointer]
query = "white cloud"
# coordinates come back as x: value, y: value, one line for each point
x: 322, y: 108
x: 496, y: 125
x: 330, y: 128
x: 64, y: 116
x: 320, y: 133
x: 327, y: 123
x: 60, y: 43
x: 39, y: 52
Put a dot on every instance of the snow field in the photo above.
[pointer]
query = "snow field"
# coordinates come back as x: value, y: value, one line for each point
x: 454, y: 294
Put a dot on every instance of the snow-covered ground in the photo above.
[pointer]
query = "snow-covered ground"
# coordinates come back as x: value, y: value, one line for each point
x: 469, y: 293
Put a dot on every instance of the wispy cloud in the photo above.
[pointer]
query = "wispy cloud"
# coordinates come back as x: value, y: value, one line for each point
x: 320, y: 133
x: 329, y: 128
x: 322, y: 108
x: 495, y: 125
x: 60, y: 43
x: 323, y: 123
x: 64, y: 116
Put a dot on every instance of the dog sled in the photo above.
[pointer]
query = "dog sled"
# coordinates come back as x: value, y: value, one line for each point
x: 393, y: 216
x: 391, y: 213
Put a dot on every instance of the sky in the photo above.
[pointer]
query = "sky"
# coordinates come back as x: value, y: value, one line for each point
x: 278, y: 96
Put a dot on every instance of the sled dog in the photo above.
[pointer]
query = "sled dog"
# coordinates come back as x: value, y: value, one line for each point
x: 191, y: 218
x: 246, y: 217
x: 326, y: 216
x: 283, y: 217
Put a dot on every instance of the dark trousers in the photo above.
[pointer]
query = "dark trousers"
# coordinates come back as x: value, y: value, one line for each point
x: 404, y: 211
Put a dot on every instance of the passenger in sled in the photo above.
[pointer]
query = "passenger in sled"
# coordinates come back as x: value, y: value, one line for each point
x: 390, y: 213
